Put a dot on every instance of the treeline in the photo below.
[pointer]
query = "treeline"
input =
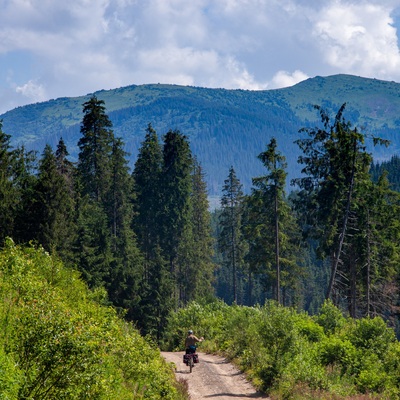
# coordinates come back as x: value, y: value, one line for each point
x: 148, y: 237
x: 392, y: 170
x: 336, y: 236
x: 144, y: 236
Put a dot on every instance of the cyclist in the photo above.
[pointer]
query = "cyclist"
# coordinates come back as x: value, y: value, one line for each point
x: 190, y: 342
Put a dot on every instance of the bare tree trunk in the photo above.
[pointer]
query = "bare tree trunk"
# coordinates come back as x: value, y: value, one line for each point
x: 277, y: 255
x: 368, y: 289
x: 250, y: 296
x: 234, y: 267
x: 353, y: 287
x: 344, y: 228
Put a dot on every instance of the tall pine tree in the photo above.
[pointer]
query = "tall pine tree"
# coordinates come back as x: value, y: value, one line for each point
x: 230, y: 240
x: 94, y: 246
x: 126, y: 265
x: 336, y: 176
x: 7, y: 190
x: 176, y: 189
x: 202, y: 269
x: 54, y: 207
x: 95, y: 148
x: 275, y: 227
x: 156, y: 286
x: 24, y: 182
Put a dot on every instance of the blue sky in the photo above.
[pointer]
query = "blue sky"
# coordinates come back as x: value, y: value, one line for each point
x: 51, y: 48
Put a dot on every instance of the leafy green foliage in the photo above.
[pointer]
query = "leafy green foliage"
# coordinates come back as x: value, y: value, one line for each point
x: 286, y: 352
x: 330, y: 317
x: 56, y: 342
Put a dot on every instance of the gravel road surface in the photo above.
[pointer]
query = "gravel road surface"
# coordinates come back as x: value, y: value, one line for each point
x: 213, y: 378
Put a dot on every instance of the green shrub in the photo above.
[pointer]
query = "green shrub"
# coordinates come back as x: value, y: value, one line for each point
x: 309, y: 329
x: 372, y: 335
x: 287, y: 353
x: 372, y: 378
x: 207, y: 320
x: 392, y: 363
x: 11, y: 378
x: 330, y: 318
x: 58, y: 343
x: 334, y: 350
x: 302, y: 369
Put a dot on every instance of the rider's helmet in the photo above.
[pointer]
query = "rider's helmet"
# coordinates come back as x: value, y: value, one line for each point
x: 190, y: 332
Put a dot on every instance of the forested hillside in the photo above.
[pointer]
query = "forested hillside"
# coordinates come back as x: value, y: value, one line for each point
x: 224, y: 127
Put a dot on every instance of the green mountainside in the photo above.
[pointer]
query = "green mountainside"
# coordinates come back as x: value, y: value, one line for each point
x: 225, y: 127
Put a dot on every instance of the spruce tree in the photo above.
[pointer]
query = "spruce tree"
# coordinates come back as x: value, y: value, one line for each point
x: 230, y: 240
x: 54, y: 207
x: 336, y: 172
x: 176, y: 189
x: 64, y: 166
x: 146, y: 180
x: 94, y: 169
x: 275, y: 226
x: 126, y: 266
x: 156, y: 285
x: 7, y: 190
x: 203, y: 268
x: 95, y: 148
x: 24, y: 182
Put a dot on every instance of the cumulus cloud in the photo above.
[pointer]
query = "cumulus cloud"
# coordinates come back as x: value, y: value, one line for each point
x: 80, y: 46
x: 284, y: 79
x: 359, y: 39
x: 32, y: 91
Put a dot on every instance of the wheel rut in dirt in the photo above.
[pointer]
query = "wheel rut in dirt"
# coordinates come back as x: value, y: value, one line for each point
x: 213, y: 378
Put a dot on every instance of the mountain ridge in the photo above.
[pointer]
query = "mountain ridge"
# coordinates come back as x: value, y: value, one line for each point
x: 225, y: 126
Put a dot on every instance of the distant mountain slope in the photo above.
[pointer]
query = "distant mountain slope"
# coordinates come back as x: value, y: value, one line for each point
x: 225, y: 127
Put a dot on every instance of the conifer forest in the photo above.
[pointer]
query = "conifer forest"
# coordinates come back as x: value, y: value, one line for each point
x: 148, y: 241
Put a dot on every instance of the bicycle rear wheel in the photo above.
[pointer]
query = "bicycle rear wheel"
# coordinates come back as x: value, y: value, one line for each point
x: 190, y: 364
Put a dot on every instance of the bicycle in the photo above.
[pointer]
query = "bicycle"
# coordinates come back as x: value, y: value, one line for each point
x: 190, y: 360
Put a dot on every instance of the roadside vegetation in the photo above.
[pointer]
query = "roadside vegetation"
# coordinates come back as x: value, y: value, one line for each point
x: 58, y: 341
x: 291, y: 355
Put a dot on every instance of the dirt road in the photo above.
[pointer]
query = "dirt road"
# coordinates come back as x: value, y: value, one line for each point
x: 213, y: 378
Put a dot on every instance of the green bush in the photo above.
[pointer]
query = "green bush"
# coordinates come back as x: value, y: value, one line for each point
x: 308, y: 328
x: 10, y: 377
x: 287, y: 353
x: 330, y: 318
x: 302, y: 369
x: 391, y: 362
x: 372, y: 335
x: 58, y: 343
x: 335, y: 351
x: 372, y: 378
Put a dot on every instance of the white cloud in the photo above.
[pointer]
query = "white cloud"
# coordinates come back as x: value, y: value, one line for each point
x: 80, y: 46
x: 359, y: 39
x: 32, y: 90
x: 284, y: 79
